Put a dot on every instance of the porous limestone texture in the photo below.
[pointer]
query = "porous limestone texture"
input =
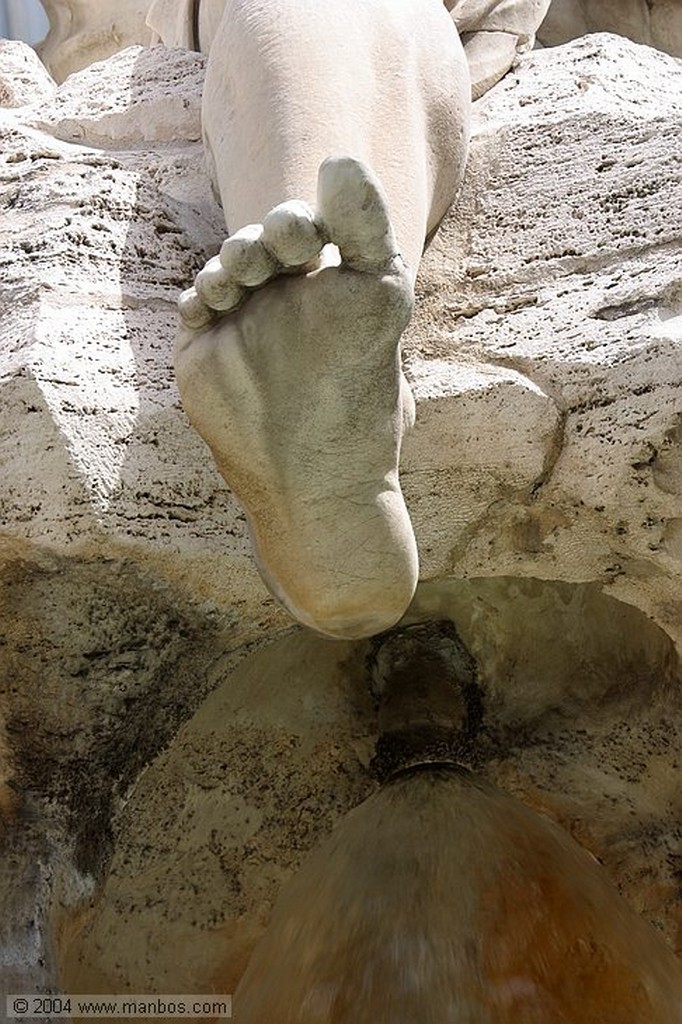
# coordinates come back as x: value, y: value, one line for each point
x: 100, y: 232
x: 23, y: 78
x: 657, y: 23
x: 169, y: 755
x: 546, y: 355
x: 105, y: 220
x: 140, y: 95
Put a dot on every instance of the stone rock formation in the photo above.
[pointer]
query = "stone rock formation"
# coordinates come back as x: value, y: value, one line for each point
x: 23, y: 76
x: 571, y: 260
x: 172, y: 747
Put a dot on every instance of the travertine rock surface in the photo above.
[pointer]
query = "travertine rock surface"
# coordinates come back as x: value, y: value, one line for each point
x: 97, y: 243
x: 23, y: 77
x: 163, y: 773
x: 140, y: 95
x: 559, y: 271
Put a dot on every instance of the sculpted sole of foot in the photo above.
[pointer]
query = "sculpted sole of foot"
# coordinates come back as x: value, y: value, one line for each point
x: 297, y: 389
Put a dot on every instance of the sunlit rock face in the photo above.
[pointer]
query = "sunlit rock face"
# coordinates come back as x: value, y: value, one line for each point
x: 545, y: 353
x: 107, y: 213
x: 23, y: 78
x: 544, y: 487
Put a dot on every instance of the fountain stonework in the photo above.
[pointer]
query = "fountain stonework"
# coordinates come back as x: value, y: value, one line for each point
x: 173, y: 747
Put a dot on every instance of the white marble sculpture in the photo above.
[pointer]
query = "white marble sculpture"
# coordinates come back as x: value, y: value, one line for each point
x: 657, y: 23
x: 84, y: 31
x: 493, y: 31
x: 298, y: 389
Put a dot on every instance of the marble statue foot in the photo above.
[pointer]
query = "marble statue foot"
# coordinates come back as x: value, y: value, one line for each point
x: 294, y: 382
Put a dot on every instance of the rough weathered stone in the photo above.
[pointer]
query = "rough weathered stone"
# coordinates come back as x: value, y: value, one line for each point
x: 559, y: 267
x: 23, y: 79
x: 140, y: 95
x: 96, y: 246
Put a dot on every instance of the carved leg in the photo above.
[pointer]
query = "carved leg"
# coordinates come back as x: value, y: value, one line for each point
x: 297, y: 389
